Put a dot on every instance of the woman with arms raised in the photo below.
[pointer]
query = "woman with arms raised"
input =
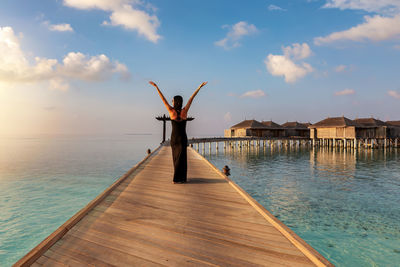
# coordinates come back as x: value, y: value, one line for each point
x: 179, y: 140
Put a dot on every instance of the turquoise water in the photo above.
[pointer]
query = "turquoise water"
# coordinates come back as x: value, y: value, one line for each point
x: 44, y: 180
x: 345, y: 204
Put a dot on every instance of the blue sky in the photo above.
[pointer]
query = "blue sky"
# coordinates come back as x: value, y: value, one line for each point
x: 82, y: 67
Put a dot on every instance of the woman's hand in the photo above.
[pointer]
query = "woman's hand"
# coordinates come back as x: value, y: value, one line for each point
x: 201, y: 85
x: 153, y: 83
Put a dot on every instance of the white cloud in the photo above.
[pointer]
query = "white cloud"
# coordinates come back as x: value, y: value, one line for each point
x: 394, y: 94
x: 376, y: 28
x: 81, y: 67
x: 15, y: 67
x: 341, y: 68
x: 253, y: 94
x: 284, y: 65
x: 345, y: 92
x: 377, y: 6
x: 64, y: 27
x: 297, y: 51
x: 227, y: 117
x: 108, y: 5
x: 275, y: 8
x: 235, y: 34
x: 124, y: 13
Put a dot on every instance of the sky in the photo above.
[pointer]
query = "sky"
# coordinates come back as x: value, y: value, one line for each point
x: 83, y: 66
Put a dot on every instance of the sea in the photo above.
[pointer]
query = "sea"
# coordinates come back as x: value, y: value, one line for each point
x: 343, y: 203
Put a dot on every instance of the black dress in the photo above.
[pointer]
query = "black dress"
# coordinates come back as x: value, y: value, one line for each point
x: 179, y: 145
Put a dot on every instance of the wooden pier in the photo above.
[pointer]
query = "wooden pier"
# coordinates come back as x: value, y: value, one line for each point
x: 200, y: 144
x: 145, y: 220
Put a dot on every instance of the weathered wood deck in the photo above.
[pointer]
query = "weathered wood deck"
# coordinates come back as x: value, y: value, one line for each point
x: 144, y: 220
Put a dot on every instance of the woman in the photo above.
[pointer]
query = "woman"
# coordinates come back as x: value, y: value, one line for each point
x: 179, y: 141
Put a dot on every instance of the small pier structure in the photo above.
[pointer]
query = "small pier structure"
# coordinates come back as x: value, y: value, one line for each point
x: 145, y: 220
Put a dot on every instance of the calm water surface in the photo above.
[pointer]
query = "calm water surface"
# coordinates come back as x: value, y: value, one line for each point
x: 345, y: 204
x: 44, y: 180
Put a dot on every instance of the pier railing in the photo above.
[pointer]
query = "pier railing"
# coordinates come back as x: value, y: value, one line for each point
x: 290, y: 142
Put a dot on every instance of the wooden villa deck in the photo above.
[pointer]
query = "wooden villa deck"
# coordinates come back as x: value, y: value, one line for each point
x: 144, y: 220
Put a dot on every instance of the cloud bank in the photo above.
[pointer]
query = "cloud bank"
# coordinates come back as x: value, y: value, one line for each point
x: 64, y: 27
x: 345, y: 92
x: 15, y: 67
x: 284, y: 65
x: 376, y: 28
x: 253, y: 94
x: 376, y: 6
x: 275, y: 8
x: 124, y: 13
x: 235, y: 34
x: 394, y: 94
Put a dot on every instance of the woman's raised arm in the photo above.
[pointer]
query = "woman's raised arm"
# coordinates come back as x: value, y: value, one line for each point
x: 167, y: 105
x: 186, y: 108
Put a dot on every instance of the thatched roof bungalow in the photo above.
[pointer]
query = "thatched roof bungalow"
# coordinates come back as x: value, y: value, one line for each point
x: 333, y: 128
x: 273, y: 129
x: 296, y: 129
x: 371, y: 128
x: 393, y: 130
x: 344, y: 128
x: 255, y: 129
x: 246, y: 128
x: 393, y: 123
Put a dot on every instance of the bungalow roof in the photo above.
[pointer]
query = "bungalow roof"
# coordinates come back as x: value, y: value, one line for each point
x: 249, y: 124
x: 272, y: 125
x: 393, y: 123
x: 334, y: 122
x: 370, y: 122
x: 295, y: 125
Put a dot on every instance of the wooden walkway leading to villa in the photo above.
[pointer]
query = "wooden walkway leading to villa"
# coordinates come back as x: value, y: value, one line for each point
x: 144, y: 220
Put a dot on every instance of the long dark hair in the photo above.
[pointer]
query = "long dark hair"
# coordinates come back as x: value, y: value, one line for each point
x: 178, y: 102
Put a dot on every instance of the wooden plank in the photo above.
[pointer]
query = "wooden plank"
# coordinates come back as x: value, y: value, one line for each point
x: 136, y: 247
x: 103, y: 252
x: 147, y: 220
x: 169, y: 190
x: 191, y: 246
x: 220, y: 235
x: 63, y: 259
x: 45, y: 261
x: 77, y: 254
x: 257, y: 229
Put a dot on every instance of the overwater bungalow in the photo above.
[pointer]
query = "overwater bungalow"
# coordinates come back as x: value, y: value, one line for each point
x: 343, y: 131
x: 370, y: 128
x: 393, y: 129
x: 246, y: 128
x: 333, y: 128
x: 296, y: 129
x: 273, y: 129
x: 253, y: 128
